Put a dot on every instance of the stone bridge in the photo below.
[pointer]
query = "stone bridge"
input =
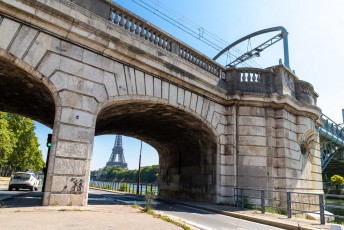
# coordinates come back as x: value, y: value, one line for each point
x: 86, y: 73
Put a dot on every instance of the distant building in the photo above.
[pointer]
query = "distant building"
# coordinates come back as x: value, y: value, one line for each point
x: 117, y: 153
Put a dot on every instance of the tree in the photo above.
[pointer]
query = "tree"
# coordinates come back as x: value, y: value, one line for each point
x: 24, y: 153
x: 6, y: 139
x: 337, y: 181
x: 149, y: 174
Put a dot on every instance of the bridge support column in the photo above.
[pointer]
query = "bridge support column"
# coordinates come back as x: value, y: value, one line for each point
x: 69, y: 162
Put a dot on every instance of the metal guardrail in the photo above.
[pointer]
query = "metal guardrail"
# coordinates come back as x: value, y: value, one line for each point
x: 285, y: 202
x: 144, y: 188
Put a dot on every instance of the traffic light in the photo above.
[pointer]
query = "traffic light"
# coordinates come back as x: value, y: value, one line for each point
x: 49, y: 140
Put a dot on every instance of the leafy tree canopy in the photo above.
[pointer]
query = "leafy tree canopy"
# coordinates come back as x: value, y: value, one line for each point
x: 148, y: 174
x: 18, y: 143
x: 337, y: 181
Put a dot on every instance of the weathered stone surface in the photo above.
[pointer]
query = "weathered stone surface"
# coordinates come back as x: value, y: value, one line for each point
x: 193, y: 102
x: 49, y: 64
x: 173, y: 95
x: 211, y: 135
x: 72, y: 133
x: 110, y: 84
x: 180, y: 96
x: 157, y: 87
x: 8, y: 28
x: 69, y: 166
x: 72, y: 150
x: 77, y: 117
x: 130, y: 79
x: 140, y: 83
x: 38, y: 49
x: 149, y: 85
x: 78, y: 101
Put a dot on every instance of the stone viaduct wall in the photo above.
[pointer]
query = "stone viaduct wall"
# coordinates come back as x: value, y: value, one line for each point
x: 89, y: 76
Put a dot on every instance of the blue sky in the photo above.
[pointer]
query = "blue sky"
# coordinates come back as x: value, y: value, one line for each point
x: 316, y: 49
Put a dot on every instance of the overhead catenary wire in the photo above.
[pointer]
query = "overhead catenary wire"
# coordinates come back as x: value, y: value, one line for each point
x: 198, y: 32
x: 182, y: 25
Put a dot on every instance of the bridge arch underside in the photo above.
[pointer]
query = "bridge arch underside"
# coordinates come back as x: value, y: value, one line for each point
x: 186, y: 146
x: 23, y: 94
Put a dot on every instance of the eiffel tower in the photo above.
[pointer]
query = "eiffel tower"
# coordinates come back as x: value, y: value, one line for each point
x: 117, y: 150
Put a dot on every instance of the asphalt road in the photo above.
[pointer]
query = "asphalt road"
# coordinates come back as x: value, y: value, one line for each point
x: 196, y: 217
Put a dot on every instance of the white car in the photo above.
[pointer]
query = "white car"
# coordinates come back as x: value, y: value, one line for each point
x: 26, y: 180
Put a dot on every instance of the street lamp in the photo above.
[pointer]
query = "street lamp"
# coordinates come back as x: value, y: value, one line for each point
x: 138, y: 175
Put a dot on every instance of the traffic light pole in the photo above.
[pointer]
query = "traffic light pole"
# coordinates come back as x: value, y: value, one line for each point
x: 45, y: 170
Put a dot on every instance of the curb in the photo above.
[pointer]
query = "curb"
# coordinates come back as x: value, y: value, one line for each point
x: 247, y: 217
x: 231, y: 214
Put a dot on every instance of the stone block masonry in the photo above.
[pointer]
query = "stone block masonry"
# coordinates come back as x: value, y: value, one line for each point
x: 84, y: 75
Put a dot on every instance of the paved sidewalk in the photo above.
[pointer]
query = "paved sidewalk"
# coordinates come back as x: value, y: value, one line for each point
x: 90, y: 217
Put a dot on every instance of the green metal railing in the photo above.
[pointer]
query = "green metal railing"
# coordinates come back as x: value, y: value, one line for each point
x: 144, y: 188
x: 286, y: 202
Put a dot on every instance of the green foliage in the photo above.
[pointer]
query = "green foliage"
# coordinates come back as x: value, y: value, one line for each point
x: 276, y: 210
x: 149, y: 174
x: 248, y: 204
x: 18, y: 143
x: 337, y: 181
x: 149, y: 197
x: 124, y: 187
x: 167, y: 219
x: 7, y: 139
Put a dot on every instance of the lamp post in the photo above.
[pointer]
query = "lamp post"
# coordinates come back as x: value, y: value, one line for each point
x: 138, y: 175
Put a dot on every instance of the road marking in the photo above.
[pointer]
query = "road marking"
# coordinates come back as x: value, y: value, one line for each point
x: 203, y: 227
x: 97, y: 199
x: 28, y: 197
x: 195, y: 209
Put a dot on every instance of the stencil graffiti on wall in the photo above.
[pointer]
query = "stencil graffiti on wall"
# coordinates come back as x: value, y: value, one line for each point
x: 78, y: 186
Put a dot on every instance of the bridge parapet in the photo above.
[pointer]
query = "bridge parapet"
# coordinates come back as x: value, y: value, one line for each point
x: 250, y: 80
x: 131, y: 22
x: 276, y: 79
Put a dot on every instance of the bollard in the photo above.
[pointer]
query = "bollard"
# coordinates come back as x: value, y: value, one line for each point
x: 262, y: 197
x: 289, y: 204
x: 322, y: 209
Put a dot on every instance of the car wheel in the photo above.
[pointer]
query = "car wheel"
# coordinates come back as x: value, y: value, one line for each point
x: 36, y: 188
x: 31, y: 189
x: 9, y: 188
x: 17, y: 189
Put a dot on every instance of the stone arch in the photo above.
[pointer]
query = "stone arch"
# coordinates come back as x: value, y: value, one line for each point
x: 188, y: 145
x: 26, y: 91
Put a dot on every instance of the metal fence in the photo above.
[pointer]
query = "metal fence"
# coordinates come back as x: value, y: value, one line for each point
x: 285, y: 202
x: 144, y: 188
